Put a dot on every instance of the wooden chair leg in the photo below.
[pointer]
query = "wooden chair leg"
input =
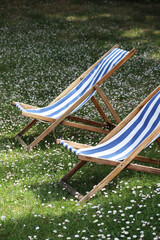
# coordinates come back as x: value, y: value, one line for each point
x: 20, y: 140
x: 158, y: 141
x: 42, y: 135
x: 147, y: 160
x: 107, y: 103
x: 101, y: 112
x: 71, y: 190
x: 26, y: 128
x: 73, y: 170
x: 103, y: 183
x: 119, y: 167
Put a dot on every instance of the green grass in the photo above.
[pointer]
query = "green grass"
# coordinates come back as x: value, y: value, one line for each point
x: 45, y: 45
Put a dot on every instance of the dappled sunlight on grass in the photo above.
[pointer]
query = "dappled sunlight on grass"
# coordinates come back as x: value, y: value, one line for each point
x: 104, y: 15
x: 75, y: 18
x: 156, y: 32
x: 133, y: 33
x: 152, y: 18
x: 155, y: 56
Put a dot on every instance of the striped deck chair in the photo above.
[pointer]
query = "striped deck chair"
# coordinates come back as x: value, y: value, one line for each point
x: 122, y: 145
x: 75, y: 96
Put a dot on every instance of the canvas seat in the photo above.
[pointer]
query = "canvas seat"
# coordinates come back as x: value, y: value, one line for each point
x: 60, y: 110
x: 122, y: 145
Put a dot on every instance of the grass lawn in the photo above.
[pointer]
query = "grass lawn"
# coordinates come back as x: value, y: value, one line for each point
x: 46, y: 45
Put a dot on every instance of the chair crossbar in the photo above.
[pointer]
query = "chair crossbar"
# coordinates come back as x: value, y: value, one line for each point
x: 71, y: 190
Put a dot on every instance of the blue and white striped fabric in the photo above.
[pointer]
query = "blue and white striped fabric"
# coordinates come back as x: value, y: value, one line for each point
x: 61, y: 106
x: 127, y: 139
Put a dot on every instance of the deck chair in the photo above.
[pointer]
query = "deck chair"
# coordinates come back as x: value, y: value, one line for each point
x: 75, y: 96
x: 122, y: 145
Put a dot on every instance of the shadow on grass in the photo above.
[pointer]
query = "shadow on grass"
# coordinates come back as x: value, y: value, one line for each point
x: 62, y: 217
x: 117, y: 20
x: 60, y: 132
x: 84, y: 181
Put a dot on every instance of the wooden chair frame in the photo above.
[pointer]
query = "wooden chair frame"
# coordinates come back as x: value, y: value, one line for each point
x: 71, y: 121
x: 119, y: 165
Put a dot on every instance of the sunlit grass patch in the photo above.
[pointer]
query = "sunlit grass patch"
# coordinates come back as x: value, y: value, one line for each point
x: 104, y: 15
x: 154, y: 55
x: 74, y: 18
x: 133, y: 33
